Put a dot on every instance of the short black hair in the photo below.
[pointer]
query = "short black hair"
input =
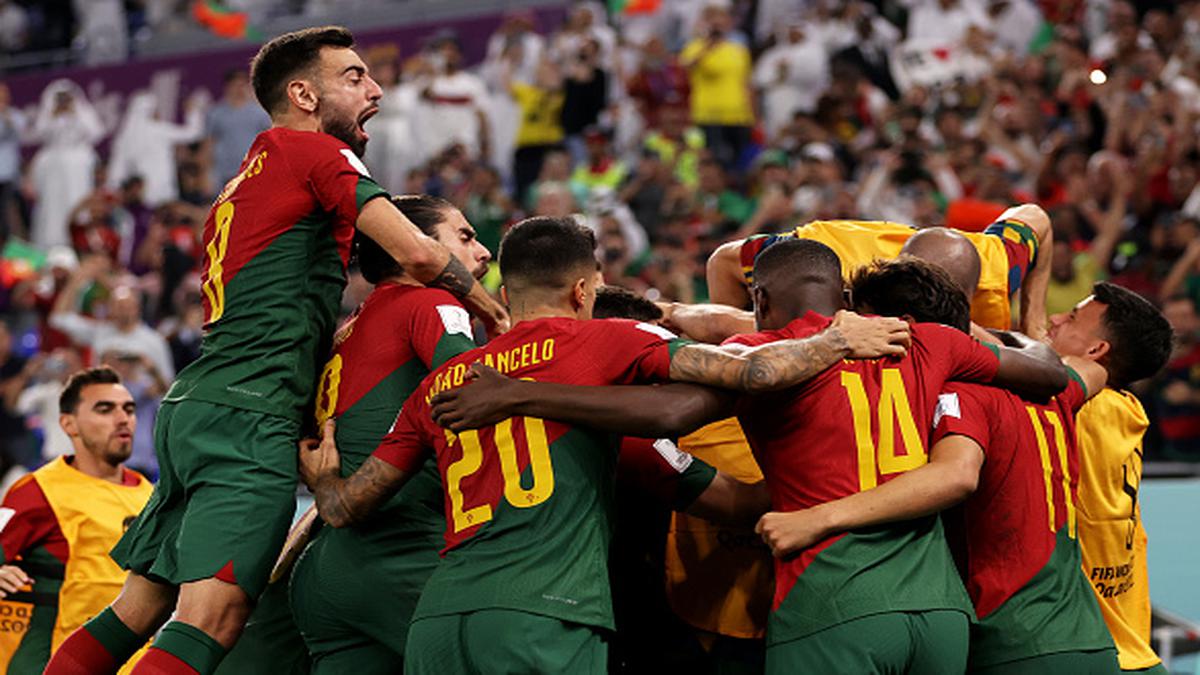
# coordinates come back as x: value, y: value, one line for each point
x: 282, y: 58
x: 68, y: 401
x: 546, y: 252
x: 615, y: 302
x: 1139, y: 336
x: 909, y: 286
x: 425, y: 211
x: 796, y: 261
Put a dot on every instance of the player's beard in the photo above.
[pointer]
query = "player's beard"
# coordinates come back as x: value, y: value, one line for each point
x: 344, y: 127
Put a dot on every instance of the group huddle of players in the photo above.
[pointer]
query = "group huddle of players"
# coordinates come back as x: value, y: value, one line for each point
x: 920, y: 472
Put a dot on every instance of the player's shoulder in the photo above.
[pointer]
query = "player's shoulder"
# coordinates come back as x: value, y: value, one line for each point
x: 622, y: 328
x: 25, y: 494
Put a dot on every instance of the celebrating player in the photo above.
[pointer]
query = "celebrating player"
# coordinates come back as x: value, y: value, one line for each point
x: 276, y: 244
x: 524, y: 575
x: 1127, y: 335
x: 819, y: 442
x: 1008, y: 251
x: 60, y: 521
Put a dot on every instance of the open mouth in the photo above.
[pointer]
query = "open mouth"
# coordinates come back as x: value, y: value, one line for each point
x: 366, y: 115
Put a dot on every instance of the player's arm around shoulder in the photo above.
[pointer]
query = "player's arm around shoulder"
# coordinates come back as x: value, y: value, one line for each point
x: 786, y: 363
x: 1029, y: 367
x: 345, y: 501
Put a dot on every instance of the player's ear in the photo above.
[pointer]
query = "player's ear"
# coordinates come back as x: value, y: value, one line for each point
x: 303, y: 95
x: 504, y: 295
x: 847, y: 298
x: 1098, y: 350
x: 68, y: 425
x: 579, y: 293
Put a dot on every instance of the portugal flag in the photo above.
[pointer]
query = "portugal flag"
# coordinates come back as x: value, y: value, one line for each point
x: 223, y: 21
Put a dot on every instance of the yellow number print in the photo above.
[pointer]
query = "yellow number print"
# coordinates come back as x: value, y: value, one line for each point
x: 471, y: 461
x: 1060, y: 443
x: 214, y: 285
x: 327, y: 389
x: 893, y: 408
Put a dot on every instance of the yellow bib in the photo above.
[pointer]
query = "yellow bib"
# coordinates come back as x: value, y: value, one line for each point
x: 1110, y: 429
x: 719, y: 578
x: 859, y: 242
x: 92, y: 514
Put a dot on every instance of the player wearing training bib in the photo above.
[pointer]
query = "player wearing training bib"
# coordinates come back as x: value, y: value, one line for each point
x: 1035, y: 611
x: 276, y: 246
x: 1127, y: 335
x: 58, y: 523
x: 1008, y: 261
x: 523, y: 581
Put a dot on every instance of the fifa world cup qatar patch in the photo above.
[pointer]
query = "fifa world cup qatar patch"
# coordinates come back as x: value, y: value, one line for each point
x: 657, y: 330
x: 355, y: 162
x: 678, y: 459
x: 947, y: 404
x: 6, y: 514
x: 455, y: 320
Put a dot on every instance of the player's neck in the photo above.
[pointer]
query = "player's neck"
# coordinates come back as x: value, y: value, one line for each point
x: 533, y: 313
x: 87, y: 463
x: 297, y: 120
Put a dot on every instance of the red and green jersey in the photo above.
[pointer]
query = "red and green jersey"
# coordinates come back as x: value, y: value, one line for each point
x: 858, y: 424
x: 276, y: 244
x: 528, y: 501
x: 380, y: 354
x: 1021, y: 559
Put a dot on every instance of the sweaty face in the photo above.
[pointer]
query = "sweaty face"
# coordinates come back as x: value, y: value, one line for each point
x: 1080, y: 331
x: 104, y: 422
x: 457, y: 235
x: 348, y: 97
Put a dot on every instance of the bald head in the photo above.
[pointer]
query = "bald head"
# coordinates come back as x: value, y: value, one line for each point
x: 951, y: 251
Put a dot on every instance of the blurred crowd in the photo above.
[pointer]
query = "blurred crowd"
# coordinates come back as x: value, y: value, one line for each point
x: 673, y: 126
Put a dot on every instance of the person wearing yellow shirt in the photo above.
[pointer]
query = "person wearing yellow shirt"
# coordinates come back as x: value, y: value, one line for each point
x: 719, y: 71
x: 540, y: 129
x: 58, y: 524
x: 1127, y: 335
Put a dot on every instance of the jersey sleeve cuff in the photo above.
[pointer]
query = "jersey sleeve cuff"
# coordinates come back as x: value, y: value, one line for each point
x: 1078, y: 380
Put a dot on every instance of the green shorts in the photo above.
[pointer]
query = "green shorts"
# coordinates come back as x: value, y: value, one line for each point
x: 354, y: 594
x: 1096, y: 662
x: 930, y: 643
x: 270, y: 644
x: 224, y: 499
x: 503, y: 641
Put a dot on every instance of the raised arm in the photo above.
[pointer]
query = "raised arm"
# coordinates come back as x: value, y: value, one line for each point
x: 428, y: 261
x: 1029, y: 367
x: 726, y: 283
x: 951, y: 475
x: 345, y: 501
x: 783, y: 364
x: 645, y: 411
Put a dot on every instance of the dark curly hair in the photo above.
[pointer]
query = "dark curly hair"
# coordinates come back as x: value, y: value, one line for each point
x: 1139, y: 336
x: 614, y: 302
x: 425, y: 211
x: 908, y: 286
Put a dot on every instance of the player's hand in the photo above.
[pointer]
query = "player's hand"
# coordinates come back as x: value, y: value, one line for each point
x: 12, y: 580
x: 483, y: 401
x: 872, y: 337
x: 319, y: 459
x: 791, y: 532
x: 489, y: 311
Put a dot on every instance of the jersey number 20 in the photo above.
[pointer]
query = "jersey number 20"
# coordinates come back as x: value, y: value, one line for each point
x: 542, y: 471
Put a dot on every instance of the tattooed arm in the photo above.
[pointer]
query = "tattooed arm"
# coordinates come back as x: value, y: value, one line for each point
x: 779, y: 365
x: 345, y: 501
x: 428, y: 261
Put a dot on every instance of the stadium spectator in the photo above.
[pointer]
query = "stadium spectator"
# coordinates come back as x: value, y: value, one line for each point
x: 122, y: 332
x: 585, y: 95
x: 61, y: 172
x: 232, y: 125
x: 541, y: 129
x: 1177, y: 389
x: 454, y: 103
x: 12, y: 125
x: 145, y: 146
x: 791, y: 76
x: 14, y: 26
x: 37, y: 389
x: 719, y: 70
